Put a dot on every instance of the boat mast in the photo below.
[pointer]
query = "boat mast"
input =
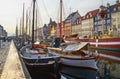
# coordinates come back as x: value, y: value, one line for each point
x: 36, y: 27
x: 60, y: 20
x: 20, y: 27
x: 26, y: 24
x: 16, y: 29
x: 23, y: 20
x: 29, y: 22
x: 33, y: 21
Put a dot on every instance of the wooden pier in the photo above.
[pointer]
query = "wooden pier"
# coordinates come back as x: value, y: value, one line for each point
x: 14, y: 68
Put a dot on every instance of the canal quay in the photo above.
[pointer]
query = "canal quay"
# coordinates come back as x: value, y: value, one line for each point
x: 4, y: 49
x: 13, y: 67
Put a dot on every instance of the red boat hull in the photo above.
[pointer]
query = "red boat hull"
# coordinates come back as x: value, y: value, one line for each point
x: 106, y: 43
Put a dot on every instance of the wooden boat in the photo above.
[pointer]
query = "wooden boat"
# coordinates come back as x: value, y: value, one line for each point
x: 70, y: 53
x: 38, y: 59
x: 74, y: 55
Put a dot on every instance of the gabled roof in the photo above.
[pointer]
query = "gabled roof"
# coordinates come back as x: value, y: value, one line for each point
x: 90, y: 14
x: 116, y: 6
x: 111, y: 8
x: 72, y: 15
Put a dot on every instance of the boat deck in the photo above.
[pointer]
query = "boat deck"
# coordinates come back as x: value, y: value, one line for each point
x: 13, y: 67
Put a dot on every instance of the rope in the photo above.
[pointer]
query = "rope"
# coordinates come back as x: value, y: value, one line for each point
x: 40, y: 21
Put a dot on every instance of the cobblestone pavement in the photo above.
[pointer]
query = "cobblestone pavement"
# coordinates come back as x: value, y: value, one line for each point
x: 3, y: 54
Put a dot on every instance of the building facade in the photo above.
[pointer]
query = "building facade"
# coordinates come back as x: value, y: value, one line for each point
x: 70, y: 23
x: 116, y: 19
x: 88, y: 24
x: 1, y: 30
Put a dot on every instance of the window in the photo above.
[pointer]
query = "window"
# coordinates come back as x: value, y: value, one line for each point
x: 108, y: 15
x: 114, y: 20
x: 119, y: 26
x: 90, y: 14
x: 108, y: 21
x: 113, y: 14
x: 114, y: 9
x: 119, y: 13
x: 119, y: 9
x: 95, y: 23
x: 87, y: 16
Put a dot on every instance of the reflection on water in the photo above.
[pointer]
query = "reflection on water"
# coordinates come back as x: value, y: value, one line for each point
x: 108, y: 67
x: 78, y: 73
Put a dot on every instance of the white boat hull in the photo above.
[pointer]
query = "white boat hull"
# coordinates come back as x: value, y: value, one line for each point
x: 76, y: 62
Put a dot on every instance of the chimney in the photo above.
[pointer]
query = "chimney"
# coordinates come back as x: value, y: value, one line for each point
x: 117, y: 1
x: 108, y: 4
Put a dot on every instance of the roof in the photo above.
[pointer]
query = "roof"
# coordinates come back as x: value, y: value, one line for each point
x: 71, y: 15
x: 111, y: 7
x: 116, y: 6
x: 90, y: 14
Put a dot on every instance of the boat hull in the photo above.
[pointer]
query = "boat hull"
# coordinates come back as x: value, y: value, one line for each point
x: 89, y: 63
x: 105, y: 43
x: 46, y: 68
x: 39, y: 62
x: 77, y: 61
x: 41, y: 65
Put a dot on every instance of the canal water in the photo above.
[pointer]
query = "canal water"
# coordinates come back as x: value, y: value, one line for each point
x: 107, y: 69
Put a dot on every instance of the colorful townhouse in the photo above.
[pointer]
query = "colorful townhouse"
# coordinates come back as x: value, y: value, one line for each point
x: 70, y: 22
x: 87, y: 24
x: 115, y: 14
x: 52, y: 28
x: 103, y: 25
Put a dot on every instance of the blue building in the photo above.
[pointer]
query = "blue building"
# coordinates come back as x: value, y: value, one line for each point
x: 107, y: 21
x: 108, y: 18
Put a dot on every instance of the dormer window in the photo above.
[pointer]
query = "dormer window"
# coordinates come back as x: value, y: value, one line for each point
x: 108, y: 15
x: 90, y: 15
x: 87, y: 16
x: 114, y: 9
x: 119, y: 8
x: 83, y: 17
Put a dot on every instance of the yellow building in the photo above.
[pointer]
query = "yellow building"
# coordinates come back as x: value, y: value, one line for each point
x: 53, y: 31
x: 116, y: 19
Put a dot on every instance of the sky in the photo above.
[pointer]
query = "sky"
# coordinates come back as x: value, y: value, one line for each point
x: 11, y: 10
